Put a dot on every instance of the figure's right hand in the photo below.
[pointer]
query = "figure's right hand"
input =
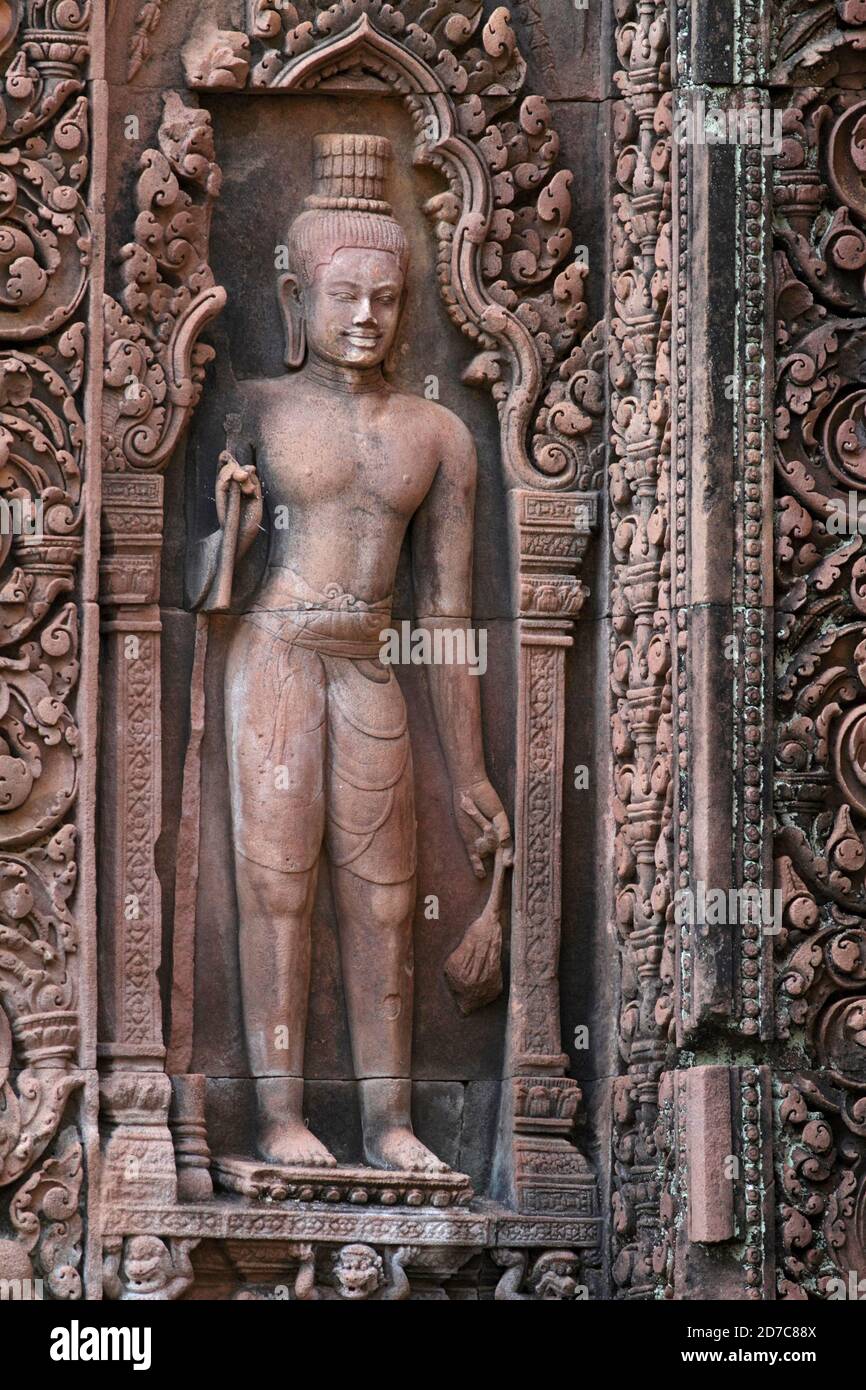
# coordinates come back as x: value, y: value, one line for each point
x: 247, y: 479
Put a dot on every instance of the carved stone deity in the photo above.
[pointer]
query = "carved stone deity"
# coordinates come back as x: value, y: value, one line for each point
x: 316, y: 726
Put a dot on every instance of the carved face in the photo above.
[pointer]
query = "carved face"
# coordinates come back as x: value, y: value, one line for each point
x: 353, y: 307
x: 553, y: 1274
x: 358, y: 1271
x: 146, y: 1262
x: 555, y: 1287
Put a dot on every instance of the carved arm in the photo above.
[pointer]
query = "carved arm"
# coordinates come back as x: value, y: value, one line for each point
x: 212, y: 561
x: 442, y: 546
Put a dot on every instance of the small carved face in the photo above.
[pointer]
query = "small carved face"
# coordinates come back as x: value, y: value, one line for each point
x: 556, y: 1286
x: 553, y: 1275
x: 146, y: 1262
x: 358, y: 1271
x: 353, y: 307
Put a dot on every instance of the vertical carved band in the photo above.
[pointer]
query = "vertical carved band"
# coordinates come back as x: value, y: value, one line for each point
x: 641, y: 667
x: 819, y: 227
x: 44, y: 265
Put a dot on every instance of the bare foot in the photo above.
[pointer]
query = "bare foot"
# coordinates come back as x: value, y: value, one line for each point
x: 290, y: 1143
x: 399, y: 1149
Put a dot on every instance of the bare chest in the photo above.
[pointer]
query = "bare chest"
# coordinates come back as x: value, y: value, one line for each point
x: 338, y: 460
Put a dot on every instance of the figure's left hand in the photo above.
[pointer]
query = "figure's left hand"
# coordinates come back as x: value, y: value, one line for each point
x: 482, y: 823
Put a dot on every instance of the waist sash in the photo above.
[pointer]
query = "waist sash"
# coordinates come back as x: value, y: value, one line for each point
x: 331, y: 621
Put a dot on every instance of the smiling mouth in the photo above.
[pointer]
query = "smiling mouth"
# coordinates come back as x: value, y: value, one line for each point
x: 363, y: 339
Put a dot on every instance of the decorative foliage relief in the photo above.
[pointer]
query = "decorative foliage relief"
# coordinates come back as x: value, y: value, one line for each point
x: 820, y: 428
x: 154, y: 364
x: 44, y: 259
x: 641, y: 666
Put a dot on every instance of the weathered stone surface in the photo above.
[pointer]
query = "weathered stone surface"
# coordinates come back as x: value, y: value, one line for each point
x: 339, y: 960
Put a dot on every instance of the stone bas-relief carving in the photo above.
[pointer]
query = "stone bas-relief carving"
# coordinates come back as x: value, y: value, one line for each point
x: 316, y: 726
x: 551, y: 1278
x: 362, y: 1272
x: 45, y: 1009
x: 358, y: 1274
x: 144, y: 1268
x: 314, y: 719
x: 820, y: 846
x: 134, y: 1165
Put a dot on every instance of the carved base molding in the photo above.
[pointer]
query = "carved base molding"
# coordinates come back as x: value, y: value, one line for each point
x: 484, y: 1225
x: 255, y: 1249
x: 357, y: 1185
x: 351, y: 1262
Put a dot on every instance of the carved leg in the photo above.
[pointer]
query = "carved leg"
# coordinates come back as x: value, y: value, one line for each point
x: 386, y: 1117
x: 377, y: 958
x: 274, y: 945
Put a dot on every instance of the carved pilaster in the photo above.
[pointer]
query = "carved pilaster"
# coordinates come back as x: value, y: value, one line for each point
x: 130, y: 891
x: 139, y: 1157
x: 704, y: 1144
x: 153, y: 372
x: 188, y: 1129
x: 550, y: 1174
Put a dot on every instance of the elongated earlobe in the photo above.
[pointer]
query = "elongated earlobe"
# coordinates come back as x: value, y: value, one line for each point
x: 296, y: 345
x: 392, y: 359
x: 291, y: 304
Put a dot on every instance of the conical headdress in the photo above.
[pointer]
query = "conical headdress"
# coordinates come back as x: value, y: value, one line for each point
x: 347, y: 206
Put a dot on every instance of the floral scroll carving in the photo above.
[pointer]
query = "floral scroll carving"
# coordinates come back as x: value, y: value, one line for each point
x: 45, y: 1213
x: 821, y: 1213
x: 44, y: 232
x: 37, y: 947
x: 641, y: 659
x: 44, y: 263
x: 820, y: 230
x: 154, y: 363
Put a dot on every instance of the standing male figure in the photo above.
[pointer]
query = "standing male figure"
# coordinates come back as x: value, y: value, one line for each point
x: 316, y: 727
